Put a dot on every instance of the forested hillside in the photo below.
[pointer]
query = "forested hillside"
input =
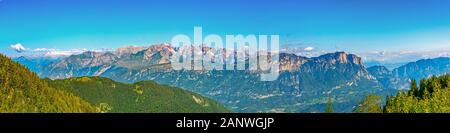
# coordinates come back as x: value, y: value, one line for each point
x: 145, y: 96
x: 22, y: 91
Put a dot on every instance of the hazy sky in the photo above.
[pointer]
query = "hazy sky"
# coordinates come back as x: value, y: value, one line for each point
x: 328, y: 25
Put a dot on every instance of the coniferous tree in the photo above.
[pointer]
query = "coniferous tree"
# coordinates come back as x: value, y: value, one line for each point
x: 414, y: 91
x: 329, y: 108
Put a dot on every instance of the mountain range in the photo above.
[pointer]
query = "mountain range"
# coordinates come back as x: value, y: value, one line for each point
x: 304, y: 84
x: 400, y: 78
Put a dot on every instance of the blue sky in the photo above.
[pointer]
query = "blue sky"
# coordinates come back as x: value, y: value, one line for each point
x: 328, y: 25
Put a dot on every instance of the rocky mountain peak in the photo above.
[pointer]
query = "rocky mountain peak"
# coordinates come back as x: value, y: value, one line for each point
x: 291, y: 62
x: 341, y: 57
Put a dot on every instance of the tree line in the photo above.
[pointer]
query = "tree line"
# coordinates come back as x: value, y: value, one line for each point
x: 432, y: 95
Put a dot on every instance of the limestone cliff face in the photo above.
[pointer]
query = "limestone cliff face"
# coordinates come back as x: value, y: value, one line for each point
x: 291, y: 62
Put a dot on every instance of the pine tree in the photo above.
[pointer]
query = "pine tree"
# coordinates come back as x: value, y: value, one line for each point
x: 414, y: 89
x: 329, y: 108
